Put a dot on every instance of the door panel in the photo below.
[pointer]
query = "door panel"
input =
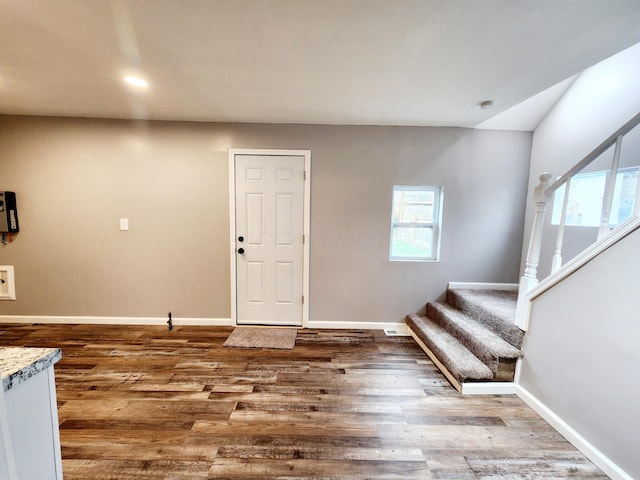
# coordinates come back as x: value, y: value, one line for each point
x: 270, y: 218
x: 255, y: 284
x: 284, y: 285
x: 255, y: 219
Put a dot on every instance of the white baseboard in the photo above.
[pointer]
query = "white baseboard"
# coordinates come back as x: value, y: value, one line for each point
x: 484, y: 286
x: 603, y: 462
x: 399, y: 327
x: 218, y: 322
x: 489, y: 388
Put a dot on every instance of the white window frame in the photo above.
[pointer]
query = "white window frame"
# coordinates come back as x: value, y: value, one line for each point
x: 436, y: 225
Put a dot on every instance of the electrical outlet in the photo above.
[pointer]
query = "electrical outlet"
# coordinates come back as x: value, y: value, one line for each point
x: 7, y: 283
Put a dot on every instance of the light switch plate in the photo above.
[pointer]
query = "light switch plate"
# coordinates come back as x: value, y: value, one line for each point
x: 124, y: 224
x: 7, y: 283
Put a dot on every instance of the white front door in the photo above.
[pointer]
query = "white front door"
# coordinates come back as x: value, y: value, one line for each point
x: 269, y: 239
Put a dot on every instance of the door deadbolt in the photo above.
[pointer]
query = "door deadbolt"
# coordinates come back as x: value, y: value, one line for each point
x: 241, y: 238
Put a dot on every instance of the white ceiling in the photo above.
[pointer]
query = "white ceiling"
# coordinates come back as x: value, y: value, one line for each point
x: 367, y: 62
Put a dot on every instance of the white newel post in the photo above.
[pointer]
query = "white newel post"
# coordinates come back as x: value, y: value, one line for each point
x: 530, y: 276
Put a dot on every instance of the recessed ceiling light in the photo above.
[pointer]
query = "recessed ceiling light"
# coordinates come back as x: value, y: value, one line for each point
x: 136, y: 81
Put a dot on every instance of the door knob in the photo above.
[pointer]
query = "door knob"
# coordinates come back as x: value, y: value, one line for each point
x: 241, y: 251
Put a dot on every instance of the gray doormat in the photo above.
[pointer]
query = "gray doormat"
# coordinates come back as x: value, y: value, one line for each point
x: 260, y: 337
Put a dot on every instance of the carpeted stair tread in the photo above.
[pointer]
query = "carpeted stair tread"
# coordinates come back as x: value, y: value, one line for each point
x: 461, y: 363
x: 493, y: 308
x: 476, y: 337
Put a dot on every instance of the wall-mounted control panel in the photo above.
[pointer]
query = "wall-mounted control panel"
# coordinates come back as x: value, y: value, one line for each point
x: 8, y: 213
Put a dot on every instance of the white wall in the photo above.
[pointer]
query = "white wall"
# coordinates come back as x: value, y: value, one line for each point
x: 581, y: 352
x: 600, y: 101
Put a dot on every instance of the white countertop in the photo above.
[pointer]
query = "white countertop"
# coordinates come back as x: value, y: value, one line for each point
x: 18, y: 364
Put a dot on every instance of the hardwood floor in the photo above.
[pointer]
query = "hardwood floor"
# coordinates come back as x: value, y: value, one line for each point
x: 146, y: 403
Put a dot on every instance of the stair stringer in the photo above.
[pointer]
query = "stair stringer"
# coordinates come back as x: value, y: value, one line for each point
x: 436, y: 362
x: 467, y: 388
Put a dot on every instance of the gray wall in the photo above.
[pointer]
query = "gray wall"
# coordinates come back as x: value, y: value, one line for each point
x: 581, y: 352
x: 75, y: 178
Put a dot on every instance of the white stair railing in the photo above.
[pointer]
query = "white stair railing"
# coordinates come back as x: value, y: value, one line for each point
x: 608, y: 190
x: 530, y: 277
x: 533, y: 254
x: 543, y: 195
x: 557, y: 257
x: 636, y: 203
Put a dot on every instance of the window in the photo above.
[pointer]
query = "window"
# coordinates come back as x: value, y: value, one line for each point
x: 415, y: 223
x: 584, y: 207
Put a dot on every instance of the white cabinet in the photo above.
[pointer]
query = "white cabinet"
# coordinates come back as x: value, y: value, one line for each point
x: 31, y: 416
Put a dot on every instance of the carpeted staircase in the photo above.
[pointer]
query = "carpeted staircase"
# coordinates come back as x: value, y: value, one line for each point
x: 471, y: 337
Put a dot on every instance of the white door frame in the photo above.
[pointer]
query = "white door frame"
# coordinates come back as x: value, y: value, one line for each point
x: 306, y: 222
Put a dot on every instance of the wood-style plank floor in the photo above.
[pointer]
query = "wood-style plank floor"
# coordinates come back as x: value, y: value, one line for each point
x: 146, y: 403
